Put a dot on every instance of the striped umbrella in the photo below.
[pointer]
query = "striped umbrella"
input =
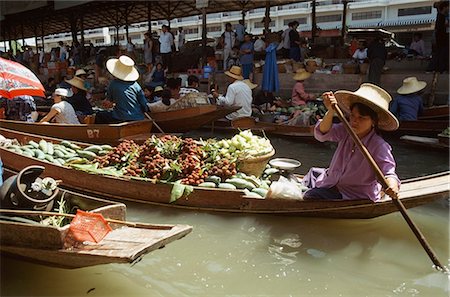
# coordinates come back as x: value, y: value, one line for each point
x: 18, y: 80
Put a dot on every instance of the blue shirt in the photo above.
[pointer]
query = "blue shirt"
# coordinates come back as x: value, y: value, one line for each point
x: 129, y: 99
x: 407, y: 107
x: 247, y: 58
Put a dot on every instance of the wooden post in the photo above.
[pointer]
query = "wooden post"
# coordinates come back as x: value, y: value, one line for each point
x: 23, y: 38
x: 42, y: 33
x: 267, y: 17
x: 344, y: 21
x: 149, y: 16
x: 313, y: 21
x: 82, y: 38
x: 204, y: 36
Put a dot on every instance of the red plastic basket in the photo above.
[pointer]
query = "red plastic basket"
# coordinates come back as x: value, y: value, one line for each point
x: 88, y: 226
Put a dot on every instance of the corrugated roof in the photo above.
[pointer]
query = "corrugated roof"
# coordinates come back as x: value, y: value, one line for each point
x: 46, y: 20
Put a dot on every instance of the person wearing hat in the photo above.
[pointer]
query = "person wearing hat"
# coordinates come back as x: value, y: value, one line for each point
x: 79, y: 101
x: 62, y: 111
x: 83, y: 75
x: 408, y: 104
x: 350, y: 176
x: 299, y: 96
x: 238, y: 94
x: 124, y: 92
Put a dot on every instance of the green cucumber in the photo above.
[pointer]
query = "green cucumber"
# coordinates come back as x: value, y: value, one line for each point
x: 58, y: 153
x: 28, y: 154
x: 207, y: 185
x: 102, y: 152
x: 93, y: 148
x: 227, y: 186
x: 240, y: 183
x: 43, y: 146
x: 86, y: 154
x: 39, y: 154
x: 28, y: 151
x: 33, y: 143
x: 49, y: 157
x: 50, y: 149
x: 260, y: 191
x: 213, y: 179
x: 106, y: 147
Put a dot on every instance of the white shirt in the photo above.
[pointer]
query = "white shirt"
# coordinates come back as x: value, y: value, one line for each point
x: 130, y: 47
x: 166, y: 40
x: 41, y: 56
x: 286, y: 41
x: 159, y: 106
x: 360, y: 55
x: 66, y: 113
x: 259, y: 45
x: 180, y: 39
x: 229, y: 39
x: 63, y: 53
x: 238, y: 94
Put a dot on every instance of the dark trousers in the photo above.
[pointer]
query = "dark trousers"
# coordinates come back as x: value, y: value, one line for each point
x: 375, y: 69
x: 105, y: 117
x: 167, y: 61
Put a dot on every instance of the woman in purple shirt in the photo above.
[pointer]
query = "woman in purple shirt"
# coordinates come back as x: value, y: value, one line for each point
x: 350, y: 176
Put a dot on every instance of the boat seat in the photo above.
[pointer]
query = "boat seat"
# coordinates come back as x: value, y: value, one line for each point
x: 87, y: 119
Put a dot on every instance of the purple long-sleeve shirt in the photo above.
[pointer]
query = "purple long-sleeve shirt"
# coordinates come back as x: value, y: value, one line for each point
x: 349, y: 171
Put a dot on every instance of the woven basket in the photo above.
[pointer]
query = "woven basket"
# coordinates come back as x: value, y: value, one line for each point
x: 255, y: 166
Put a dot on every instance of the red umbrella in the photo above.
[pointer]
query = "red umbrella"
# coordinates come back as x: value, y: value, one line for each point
x: 18, y: 80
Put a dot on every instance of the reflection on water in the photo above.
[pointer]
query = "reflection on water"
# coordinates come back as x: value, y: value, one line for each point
x: 264, y: 255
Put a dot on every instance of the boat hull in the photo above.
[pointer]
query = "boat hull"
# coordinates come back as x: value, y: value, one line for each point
x: 413, y: 193
x: 95, y: 133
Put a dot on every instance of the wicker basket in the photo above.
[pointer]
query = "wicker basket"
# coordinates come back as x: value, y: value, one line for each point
x: 255, y: 166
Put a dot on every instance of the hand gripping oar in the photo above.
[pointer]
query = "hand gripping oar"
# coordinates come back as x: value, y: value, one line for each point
x: 154, y: 123
x: 385, y: 185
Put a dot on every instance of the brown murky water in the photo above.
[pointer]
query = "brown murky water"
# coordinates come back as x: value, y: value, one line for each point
x: 263, y: 255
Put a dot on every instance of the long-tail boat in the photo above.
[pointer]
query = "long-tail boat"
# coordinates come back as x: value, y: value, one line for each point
x: 191, y: 118
x: 29, y: 240
x: 414, y: 192
x: 93, y: 133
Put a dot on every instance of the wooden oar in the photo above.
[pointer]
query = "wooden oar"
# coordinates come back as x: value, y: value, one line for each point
x: 48, y: 213
x: 385, y: 185
x: 154, y: 123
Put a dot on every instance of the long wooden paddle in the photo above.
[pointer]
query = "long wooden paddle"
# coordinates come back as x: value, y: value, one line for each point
x: 48, y: 213
x: 385, y: 185
x: 154, y: 123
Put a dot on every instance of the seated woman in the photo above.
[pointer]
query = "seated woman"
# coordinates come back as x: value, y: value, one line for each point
x: 350, y: 175
x: 299, y: 96
x: 158, y: 76
x: 79, y: 99
x: 408, y: 104
x: 62, y: 111
x: 163, y: 104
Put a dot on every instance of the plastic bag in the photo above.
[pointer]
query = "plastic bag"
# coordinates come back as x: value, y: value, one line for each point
x: 285, y: 189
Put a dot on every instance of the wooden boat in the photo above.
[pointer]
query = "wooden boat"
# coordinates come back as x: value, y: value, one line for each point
x: 421, y: 127
x: 187, y: 119
x: 413, y: 193
x: 428, y: 142
x: 95, y: 133
x: 46, y: 244
x: 268, y: 128
x: 440, y: 112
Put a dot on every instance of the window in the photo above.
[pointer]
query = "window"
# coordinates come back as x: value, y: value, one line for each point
x: 213, y: 29
x: 261, y: 10
x: 191, y: 31
x: 100, y: 40
x: 301, y: 21
x: 329, y: 18
x: 293, y: 6
x: 261, y: 25
x: 367, y: 15
x: 414, y: 11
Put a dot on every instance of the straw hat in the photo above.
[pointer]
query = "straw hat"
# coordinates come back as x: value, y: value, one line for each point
x: 250, y: 84
x: 411, y: 85
x: 123, y: 68
x: 159, y: 88
x: 77, y: 82
x: 235, y: 72
x: 64, y: 92
x: 80, y: 72
x: 301, y: 74
x: 374, y: 97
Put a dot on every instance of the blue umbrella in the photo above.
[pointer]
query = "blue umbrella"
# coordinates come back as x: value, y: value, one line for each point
x: 270, y: 82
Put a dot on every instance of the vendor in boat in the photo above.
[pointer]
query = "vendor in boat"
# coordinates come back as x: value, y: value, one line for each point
x: 299, y: 96
x: 62, y: 111
x: 193, y: 83
x: 163, y: 104
x: 408, y: 104
x: 238, y: 94
x: 79, y: 100
x: 350, y: 176
x: 124, y: 91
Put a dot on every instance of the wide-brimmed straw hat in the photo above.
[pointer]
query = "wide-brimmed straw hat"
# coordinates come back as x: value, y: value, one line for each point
x: 77, y: 82
x: 374, y: 97
x: 63, y: 92
x: 159, y: 88
x: 80, y: 72
x: 411, y: 85
x: 301, y: 74
x: 250, y: 84
x: 235, y: 72
x: 122, y: 68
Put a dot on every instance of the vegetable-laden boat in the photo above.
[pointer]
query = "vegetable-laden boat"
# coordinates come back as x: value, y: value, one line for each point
x: 414, y: 192
x: 93, y: 133
x: 268, y: 128
x: 429, y: 142
x: 191, y: 118
x: 439, y: 112
x: 127, y: 243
